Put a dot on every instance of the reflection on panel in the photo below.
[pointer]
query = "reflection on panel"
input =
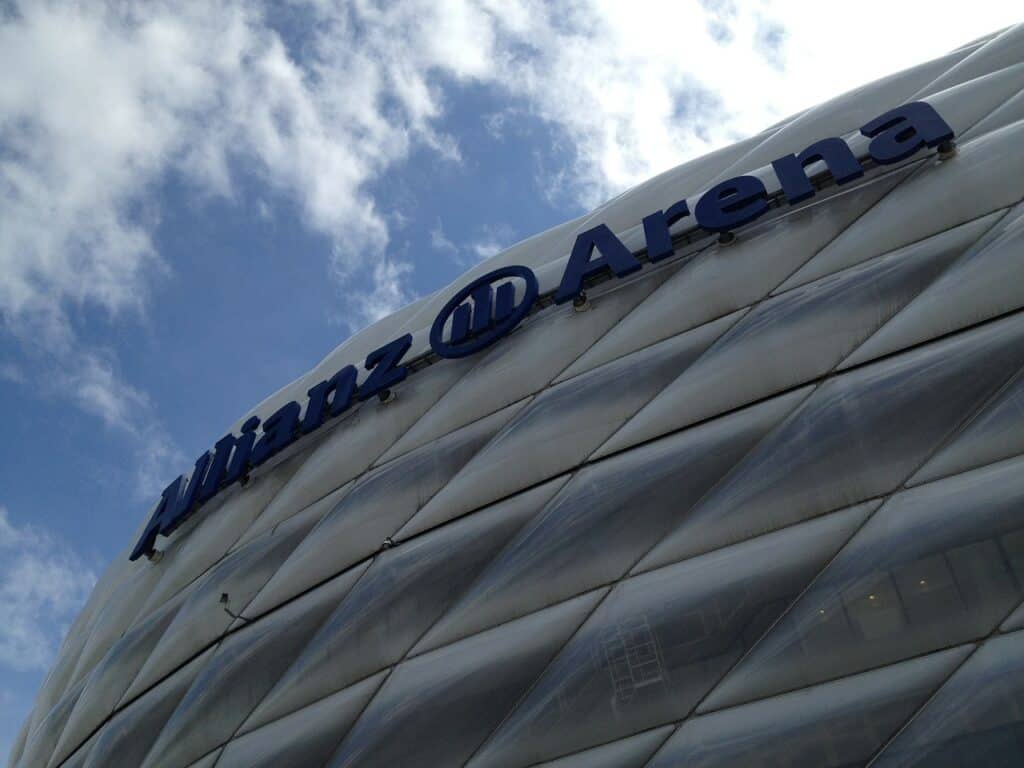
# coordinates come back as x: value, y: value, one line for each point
x: 113, y: 675
x: 306, y: 737
x: 835, y: 725
x: 563, y: 425
x: 44, y: 737
x: 241, y: 671
x: 976, y: 719
x: 203, y: 618
x: 660, y: 642
x: 442, y: 704
x: 376, y: 507
x: 991, y: 267
x: 858, y: 436
x: 607, y: 516
x: 632, y: 752
x: 781, y: 344
x: 127, y: 738
x: 937, y: 565
x: 402, y: 593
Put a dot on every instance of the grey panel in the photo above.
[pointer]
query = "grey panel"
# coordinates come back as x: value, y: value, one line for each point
x: 127, y: 738
x: 203, y: 618
x: 375, y: 509
x: 306, y: 737
x: 605, y: 519
x: 444, y: 703
x: 241, y: 671
x: 660, y: 641
x: 632, y: 752
x: 780, y: 344
x: 835, y: 725
x: 42, y: 740
x: 402, y: 593
x: 564, y: 424
x: 112, y: 676
x: 976, y: 719
x: 858, y: 436
x: 990, y: 268
x: 937, y: 565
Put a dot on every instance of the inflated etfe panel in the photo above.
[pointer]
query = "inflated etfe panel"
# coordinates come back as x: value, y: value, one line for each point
x: 756, y: 501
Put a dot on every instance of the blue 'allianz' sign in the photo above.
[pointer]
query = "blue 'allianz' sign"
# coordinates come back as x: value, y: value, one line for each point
x: 486, y: 310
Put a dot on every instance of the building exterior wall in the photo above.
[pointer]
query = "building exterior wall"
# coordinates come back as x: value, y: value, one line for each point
x: 757, y: 504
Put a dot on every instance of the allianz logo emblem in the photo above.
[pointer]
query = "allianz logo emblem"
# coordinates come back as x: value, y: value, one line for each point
x: 480, y: 314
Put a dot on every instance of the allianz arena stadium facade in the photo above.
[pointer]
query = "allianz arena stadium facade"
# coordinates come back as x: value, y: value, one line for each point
x: 728, y: 472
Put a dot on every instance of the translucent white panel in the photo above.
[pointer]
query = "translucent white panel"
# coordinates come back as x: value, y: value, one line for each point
x: 858, y: 436
x: 1010, y: 112
x: 660, y: 641
x: 80, y: 758
x: 607, y: 517
x: 835, y: 725
x: 19, y: 742
x: 564, y: 424
x: 997, y: 433
x: 59, y: 679
x: 240, y: 672
x: 203, y: 618
x: 112, y: 676
x: 65, y: 671
x: 796, y: 336
x: 437, y: 709
x: 360, y: 438
x: 986, y: 175
x: 721, y: 280
x: 965, y: 105
x: 43, y: 738
x: 127, y: 738
x: 986, y: 282
x: 191, y: 551
x: 402, y: 594
x: 523, y: 363
x: 209, y: 761
x: 632, y: 752
x: 1002, y: 51
x: 976, y: 719
x: 376, y: 507
x: 937, y: 565
x: 117, y: 616
x: 307, y: 737
x: 1016, y: 620
x: 314, y: 512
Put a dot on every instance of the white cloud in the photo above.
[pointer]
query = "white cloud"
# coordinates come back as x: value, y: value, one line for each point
x: 43, y: 584
x: 133, y: 91
x: 388, y: 293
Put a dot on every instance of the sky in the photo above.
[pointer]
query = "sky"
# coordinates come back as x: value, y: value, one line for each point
x: 199, y: 201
